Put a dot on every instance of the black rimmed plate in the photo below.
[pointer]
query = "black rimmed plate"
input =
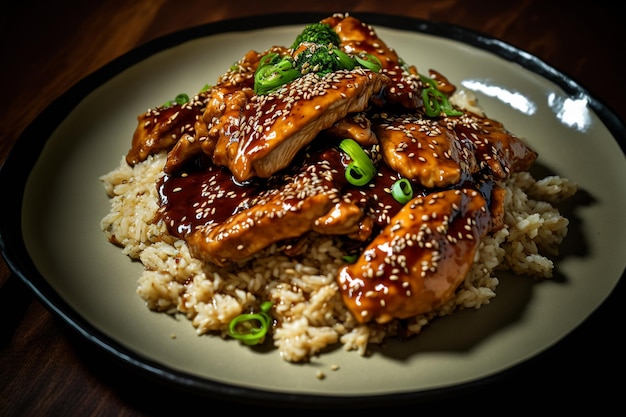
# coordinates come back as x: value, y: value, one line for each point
x: 51, y: 238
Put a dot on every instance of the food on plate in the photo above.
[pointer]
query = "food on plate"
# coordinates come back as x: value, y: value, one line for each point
x: 327, y: 192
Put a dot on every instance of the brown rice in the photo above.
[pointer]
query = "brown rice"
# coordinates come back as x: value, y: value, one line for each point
x: 308, y: 312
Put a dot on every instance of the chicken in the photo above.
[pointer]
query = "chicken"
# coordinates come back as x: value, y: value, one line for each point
x: 278, y: 213
x: 221, y: 112
x: 495, y: 147
x: 272, y: 128
x: 417, y: 262
x: 422, y: 150
x: 356, y: 37
x: 160, y: 128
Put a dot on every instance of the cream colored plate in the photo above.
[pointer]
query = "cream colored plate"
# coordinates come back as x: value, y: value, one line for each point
x: 92, y: 284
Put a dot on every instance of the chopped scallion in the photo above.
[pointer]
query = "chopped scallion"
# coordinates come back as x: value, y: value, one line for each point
x: 273, y: 72
x: 350, y: 258
x: 369, y: 61
x: 179, y: 99
x: 431, y: 104
x: 251, y: 328
x: 361, y: 170
x: 402, y: 191
x: 435, y: 101
x: 345, y: 60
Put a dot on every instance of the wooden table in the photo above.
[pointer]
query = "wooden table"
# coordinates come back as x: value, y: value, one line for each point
x: 46, y: 369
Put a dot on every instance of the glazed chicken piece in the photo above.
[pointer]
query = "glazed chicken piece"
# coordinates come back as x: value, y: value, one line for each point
x: 417, y: 262
x: 223, y: 107
x: 424, y: 151
x: 355, y: 126
x: 278, y: 218
x: 305, y: 201
x: 356, y: 36
x: 495, y: 147
x: 180, y: 129
x: 258, y: 135
x: 159, y: 128
x: 272, y: 128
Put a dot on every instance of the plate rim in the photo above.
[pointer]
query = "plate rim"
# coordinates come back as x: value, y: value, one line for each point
x: 21, y: 159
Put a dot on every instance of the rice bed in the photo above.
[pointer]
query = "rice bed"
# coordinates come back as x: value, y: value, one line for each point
x: 308, y: 312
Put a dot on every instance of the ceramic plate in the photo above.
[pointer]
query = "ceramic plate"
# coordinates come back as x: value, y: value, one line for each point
x: 51, y: 236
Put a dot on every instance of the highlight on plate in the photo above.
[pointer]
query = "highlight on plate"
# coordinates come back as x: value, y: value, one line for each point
x: 328, y: 193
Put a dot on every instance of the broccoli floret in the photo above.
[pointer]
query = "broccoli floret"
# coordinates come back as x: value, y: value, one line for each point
x: 321, y: 59
x: 274, y: 71
x: 318, y: 33
x: 316, y: 49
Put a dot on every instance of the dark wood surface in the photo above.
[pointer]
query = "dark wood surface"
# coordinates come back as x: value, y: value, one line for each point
x: 48, y: 370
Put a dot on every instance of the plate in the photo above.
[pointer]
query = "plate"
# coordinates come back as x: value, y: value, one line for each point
x: 57, y: 248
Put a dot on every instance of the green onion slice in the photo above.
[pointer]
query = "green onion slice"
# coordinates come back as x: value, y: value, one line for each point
x: 369, y: 61
x: 446, y: 107
x: 179, y: 99
x: 345, y: 60
x: 361, y: 170
x: 251, y: 328
x: 435, y: 101
x: 402, y: 191
x: 350, y: 258
x: 428, y: 80
x: 431, y: 104
x: 273, y: 72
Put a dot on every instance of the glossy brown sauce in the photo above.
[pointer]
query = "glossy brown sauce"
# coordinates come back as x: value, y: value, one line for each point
x: 184, y: 202
x: 205, y: 194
